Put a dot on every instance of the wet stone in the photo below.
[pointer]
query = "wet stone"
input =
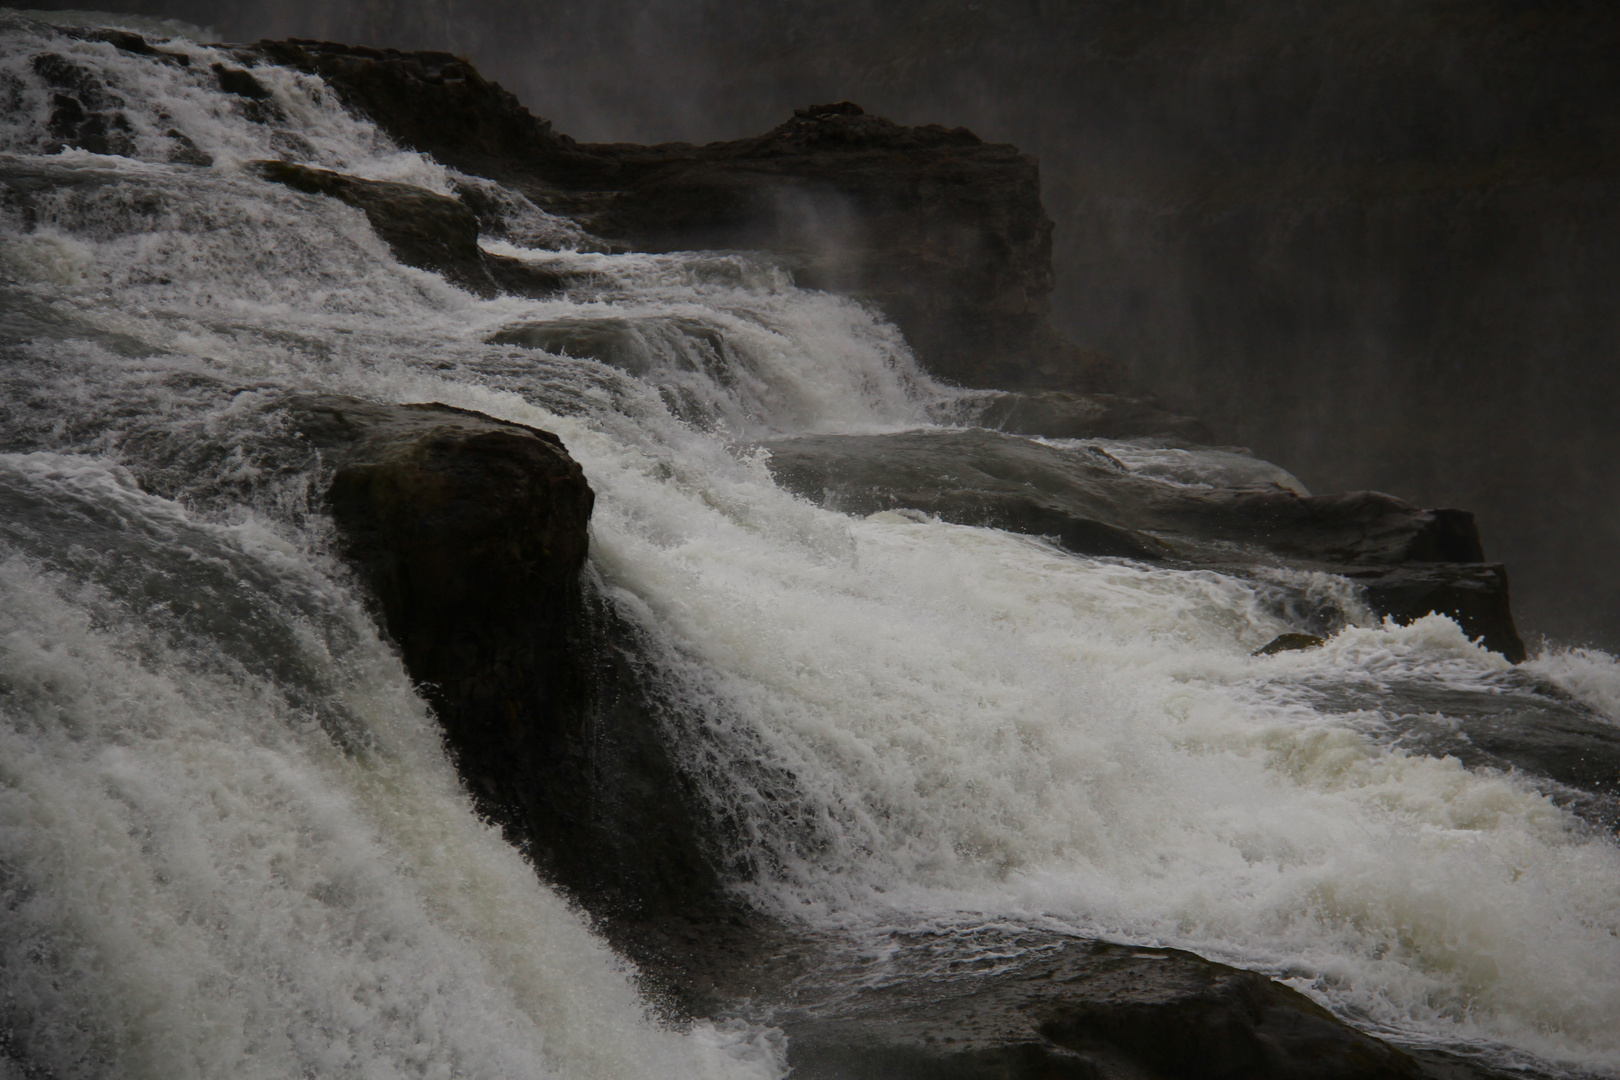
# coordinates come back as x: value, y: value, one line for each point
x: 239, y: 82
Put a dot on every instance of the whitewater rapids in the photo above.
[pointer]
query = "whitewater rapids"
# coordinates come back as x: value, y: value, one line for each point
x: 231, y: 843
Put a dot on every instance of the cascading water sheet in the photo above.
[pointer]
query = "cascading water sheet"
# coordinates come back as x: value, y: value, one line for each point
x: 231, y: 843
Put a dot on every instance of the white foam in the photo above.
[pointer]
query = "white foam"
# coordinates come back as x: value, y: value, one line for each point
x: 202, y: 883
x: 1589, y: 675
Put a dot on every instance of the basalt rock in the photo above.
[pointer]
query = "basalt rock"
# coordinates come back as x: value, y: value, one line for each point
x: 471, y: 534
x: 942, y: 230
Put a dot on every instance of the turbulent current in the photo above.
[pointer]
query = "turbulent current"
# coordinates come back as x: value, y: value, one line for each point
x: 230, y: 840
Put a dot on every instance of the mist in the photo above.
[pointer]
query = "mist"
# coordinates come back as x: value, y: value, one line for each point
x: 1378, y: 242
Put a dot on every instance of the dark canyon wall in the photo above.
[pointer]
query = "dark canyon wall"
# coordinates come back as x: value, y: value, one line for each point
x: 1377, y: 241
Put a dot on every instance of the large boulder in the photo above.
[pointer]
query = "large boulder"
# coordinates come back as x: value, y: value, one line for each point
x: 1004, y: 1002
x: 471, y: 534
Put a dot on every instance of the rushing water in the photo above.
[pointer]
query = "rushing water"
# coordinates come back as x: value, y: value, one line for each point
x: 230, y: 843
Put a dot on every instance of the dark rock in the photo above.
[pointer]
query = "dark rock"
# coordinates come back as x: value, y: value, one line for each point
x: 1475, y: 595
x: 186, y: 152
x: 980, y: 477
x: 1205, y: 1019
x: 1517, y: 723
x: 239, y: 82
x: 1411, y: 561
x: 615, y: 340
x: 424, y: 229
x: 125, y: 40
x: 1289, y: 643
x: 1008, y: 1003
x: 521, y: 278
x: 431, y: 101
x: 943, y: 230
x: 970, y: 478
x: 472, y: 534
x: 84, y: 114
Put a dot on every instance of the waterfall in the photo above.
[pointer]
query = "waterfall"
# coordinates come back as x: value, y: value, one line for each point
x: 231, y: 842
